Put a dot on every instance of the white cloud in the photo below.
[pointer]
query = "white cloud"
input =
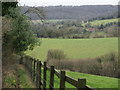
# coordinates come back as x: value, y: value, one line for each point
x: 67, y: 2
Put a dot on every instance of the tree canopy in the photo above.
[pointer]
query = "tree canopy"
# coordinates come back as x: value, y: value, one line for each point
x: 6, y: 6
x: 20, y: 36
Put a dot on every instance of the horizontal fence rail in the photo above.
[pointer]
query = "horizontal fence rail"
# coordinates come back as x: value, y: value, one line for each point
x: 38, y: 72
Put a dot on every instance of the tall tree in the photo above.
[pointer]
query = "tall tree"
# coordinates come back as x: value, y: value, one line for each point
x: 20, y: 36
x: 7, y: 5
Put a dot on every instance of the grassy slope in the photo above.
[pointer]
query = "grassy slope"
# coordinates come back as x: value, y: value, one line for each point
x: 99, y: 22
x: 76, y: 48
x: 93, y: 81
x: 96, y: 81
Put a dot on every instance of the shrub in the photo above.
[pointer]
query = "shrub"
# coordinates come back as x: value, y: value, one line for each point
x: 106, y: 65
x: 20, y: 37
x: 55, y: 54
x: 109, y: 63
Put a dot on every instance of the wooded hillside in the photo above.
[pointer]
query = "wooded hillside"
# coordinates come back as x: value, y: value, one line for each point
x: 76, y: 12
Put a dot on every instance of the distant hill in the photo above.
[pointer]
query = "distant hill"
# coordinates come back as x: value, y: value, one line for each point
x: 84, y: 12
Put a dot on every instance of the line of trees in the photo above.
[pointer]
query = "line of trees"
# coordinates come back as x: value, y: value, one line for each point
x: 111, y: 16
x: 74, y: 29
x: 84, y: 12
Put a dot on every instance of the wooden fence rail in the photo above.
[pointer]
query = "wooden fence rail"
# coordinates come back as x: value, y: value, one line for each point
x: 39, y: 73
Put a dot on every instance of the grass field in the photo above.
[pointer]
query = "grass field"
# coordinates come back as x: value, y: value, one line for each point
x: 80, y: 48
x: 76, y: 48
x: 93, y: 81
x: 52, y: 20
x: 99, y: 22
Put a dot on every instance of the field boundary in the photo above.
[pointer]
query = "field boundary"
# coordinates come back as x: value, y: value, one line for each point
x: 35, y: 67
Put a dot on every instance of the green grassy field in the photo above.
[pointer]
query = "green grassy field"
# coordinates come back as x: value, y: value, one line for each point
x: 80, y: 48
x: 99, y: 22
x: 76, y: 48
x: 52, y: 20
x: 93, y: 81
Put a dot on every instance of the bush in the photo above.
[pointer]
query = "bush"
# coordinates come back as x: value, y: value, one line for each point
x: 88, y: 66
x: 54, y: 58
x: 55, y: 54
x: 20, y: 37
x: 109, y: 63
x: 106, y: 65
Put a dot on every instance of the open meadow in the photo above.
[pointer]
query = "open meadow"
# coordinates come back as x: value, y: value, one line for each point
x: 99, y: 22
x: 76, y: 48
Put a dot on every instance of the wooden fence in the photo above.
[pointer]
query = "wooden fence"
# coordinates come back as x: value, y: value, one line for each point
x: 38, y: 71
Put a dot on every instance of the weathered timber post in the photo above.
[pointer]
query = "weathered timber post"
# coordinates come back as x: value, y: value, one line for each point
x: 44, y: 76
x: 29, y: 64
x: 25, y: 61
x: 51, y: 77
x: 31, y: 70
x: 62, y: 80
x: 39, y: 74
x: 21, y: 60
x: 34, y: 69
x: 81, y: 83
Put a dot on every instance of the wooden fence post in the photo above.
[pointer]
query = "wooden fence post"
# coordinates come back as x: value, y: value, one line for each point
x: 39, y: 74
x: 35, y: 67
x: 81, y: 83
x: 29, y: 64
x: 62, y: 80
x: 51, y: 77
x: 44, y: 76
x: 34, y: 70
x: 31, y: 71
x: 21, y: 60
x: 25, y: 62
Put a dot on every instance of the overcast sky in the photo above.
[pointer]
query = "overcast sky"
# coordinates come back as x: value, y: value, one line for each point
x: 67, y: 2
